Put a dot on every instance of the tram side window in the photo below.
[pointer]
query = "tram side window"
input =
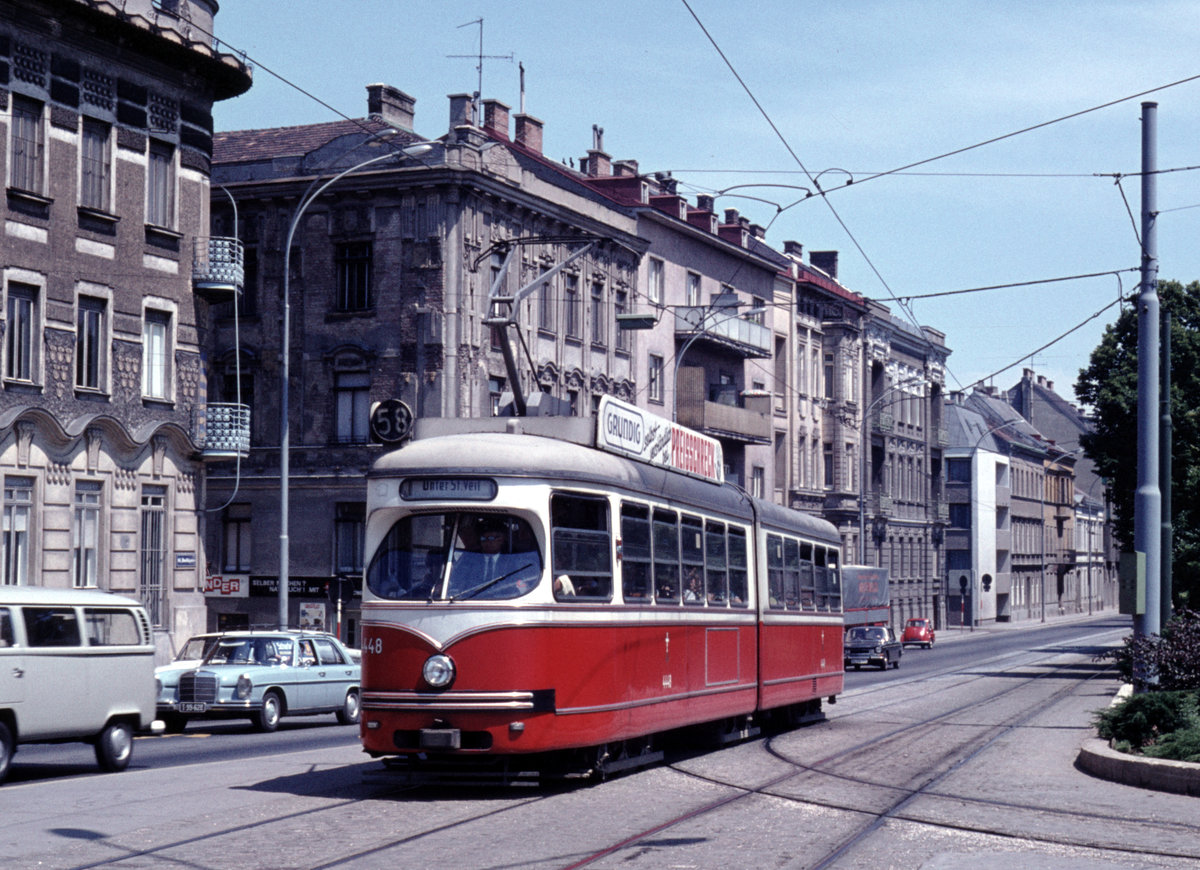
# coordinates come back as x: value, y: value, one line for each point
x: 582, y: 545
x: 833, y: 581
x: 829, y: 594
x: 738, y: 566
x: 635, y: 553
x: 793, y: 572
x: 717, y: 573
x: 775, y: 572
x: 666, y: 557
x: 691, y: 555
x: 808, y: 591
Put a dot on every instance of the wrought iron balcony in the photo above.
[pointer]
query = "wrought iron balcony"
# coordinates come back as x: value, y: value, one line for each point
x: 222, y: 431
x: 218, y: 267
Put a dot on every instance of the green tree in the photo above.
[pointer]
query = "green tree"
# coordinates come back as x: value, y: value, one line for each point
x: 1109, y: 387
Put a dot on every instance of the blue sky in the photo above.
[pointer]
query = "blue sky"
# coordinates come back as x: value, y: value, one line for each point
x: 854, y: 87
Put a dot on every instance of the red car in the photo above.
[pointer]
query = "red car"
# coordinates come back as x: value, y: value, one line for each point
x: 918, y: 630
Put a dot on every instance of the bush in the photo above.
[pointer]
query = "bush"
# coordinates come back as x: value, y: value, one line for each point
x: 1169, y: 661
x: 1178, y: 745
x: 1142, y: 720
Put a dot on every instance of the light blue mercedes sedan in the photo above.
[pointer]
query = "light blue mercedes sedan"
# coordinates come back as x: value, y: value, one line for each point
x: 262, y: 676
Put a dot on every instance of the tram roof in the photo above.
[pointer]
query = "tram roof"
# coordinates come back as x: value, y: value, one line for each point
x: 562, y: 449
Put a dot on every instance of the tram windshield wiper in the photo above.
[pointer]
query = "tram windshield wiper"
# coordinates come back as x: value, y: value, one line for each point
x: 489, y: 584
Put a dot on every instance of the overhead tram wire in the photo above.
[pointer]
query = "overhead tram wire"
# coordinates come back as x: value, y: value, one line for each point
x: 1012, y: 285
x: 812, y: 179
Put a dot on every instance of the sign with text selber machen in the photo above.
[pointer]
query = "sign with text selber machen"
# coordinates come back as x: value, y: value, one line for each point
x: 629, y: 431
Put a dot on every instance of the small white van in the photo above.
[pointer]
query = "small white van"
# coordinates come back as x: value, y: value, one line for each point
x: 75, y: 665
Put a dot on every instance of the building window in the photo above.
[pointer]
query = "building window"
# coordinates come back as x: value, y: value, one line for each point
x: 693, y: 289
x: 236, y: 539
x: 828, y: 465
x: 160, y: 185
x: 18, y: 514
x: 621, y: 306
x: 352, y: 392
x: 95, y: 166
x: 495, y: 393
x: 20, y: 344
x: 28, y: 145
x: 571, y: 308
x: 154, y: 553
x: 85, y: 534
x: 656, y: 279
x: 353, y: 262
x: 960, y: 516
x: 758, y: 477
x: 90, y: 343
x: 546, y: 319
x: 655, y: 385
x: 156, y: 353
x: 958, y: 470
x: 598, y: 318
x: 829, y: 380
x: 349, y: 535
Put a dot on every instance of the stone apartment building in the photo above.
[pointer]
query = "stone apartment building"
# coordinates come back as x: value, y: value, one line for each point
x: 106, y: 126
x: 902, y: 513
x: 403, y: 279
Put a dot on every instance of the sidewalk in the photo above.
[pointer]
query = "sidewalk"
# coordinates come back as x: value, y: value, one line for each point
x: 1096, y: 757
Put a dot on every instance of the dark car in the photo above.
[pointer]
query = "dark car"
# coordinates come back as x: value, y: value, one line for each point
x: 872, y: 645
x: 919, y: 631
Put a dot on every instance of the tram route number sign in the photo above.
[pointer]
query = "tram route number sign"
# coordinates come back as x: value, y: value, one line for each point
x: 391, y: 421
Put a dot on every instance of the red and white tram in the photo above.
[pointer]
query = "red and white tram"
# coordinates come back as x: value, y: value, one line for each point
x: 528, y: 593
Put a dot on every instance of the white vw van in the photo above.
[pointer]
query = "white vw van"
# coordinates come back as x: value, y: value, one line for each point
x: 75, y: 665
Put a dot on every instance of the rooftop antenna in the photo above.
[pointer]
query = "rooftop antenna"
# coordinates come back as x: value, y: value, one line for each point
x: 480, y: 57
x: 521, y: 68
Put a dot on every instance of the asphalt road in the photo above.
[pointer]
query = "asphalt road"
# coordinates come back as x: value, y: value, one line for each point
x: 964, y: 757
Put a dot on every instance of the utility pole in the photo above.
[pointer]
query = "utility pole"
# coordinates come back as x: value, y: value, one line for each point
x: 1147, y: 531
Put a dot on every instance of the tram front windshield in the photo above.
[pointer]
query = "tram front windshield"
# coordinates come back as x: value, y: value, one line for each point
x: 456, y: 556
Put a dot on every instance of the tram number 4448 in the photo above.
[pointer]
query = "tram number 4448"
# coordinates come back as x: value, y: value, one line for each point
x: 391, y: 421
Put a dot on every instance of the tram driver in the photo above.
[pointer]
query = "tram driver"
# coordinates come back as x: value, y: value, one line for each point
x: 496, y: 567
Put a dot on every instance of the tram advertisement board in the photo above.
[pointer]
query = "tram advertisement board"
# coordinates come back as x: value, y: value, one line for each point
x: 629, y: 431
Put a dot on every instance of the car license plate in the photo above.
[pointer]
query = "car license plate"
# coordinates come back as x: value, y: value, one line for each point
x: 193, y: 707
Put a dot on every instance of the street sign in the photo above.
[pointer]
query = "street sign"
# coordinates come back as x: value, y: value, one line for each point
x: 391, y: 421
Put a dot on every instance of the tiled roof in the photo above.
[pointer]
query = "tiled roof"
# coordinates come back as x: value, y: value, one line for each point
x: 248, y: 146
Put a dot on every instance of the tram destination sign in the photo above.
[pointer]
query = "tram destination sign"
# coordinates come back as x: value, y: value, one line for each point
x: 435, y: 488
x: 629, y: 431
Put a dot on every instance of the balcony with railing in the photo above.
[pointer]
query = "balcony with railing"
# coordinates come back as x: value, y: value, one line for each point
x: 723, y: 328
x: 722, y: 411
x: 218, y: 267
x: 222, y: 431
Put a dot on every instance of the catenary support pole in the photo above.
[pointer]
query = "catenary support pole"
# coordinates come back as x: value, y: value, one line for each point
x: 1147, y: 532
x: 1164, y: 473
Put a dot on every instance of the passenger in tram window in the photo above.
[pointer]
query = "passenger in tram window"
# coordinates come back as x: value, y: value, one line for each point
x: 717, y: 593
x: 666, y: 580
x: 563, y: 587
x: 693, y: 588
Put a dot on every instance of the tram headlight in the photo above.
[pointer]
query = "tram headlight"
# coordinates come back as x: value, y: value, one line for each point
x: 438, y: 671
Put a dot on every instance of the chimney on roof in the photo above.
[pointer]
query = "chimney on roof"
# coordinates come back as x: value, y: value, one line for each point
x: 758, y: 231
x: 704, y: 202
x: 1050, y: 386
x: 625, y: 168
x: 731, y: 215
x: 597, y: 164
x: 826, y: 261
x: 390, y: 105
x: 1041, y: 379
x: 495, y: 118
x: 462, y: 110
x: 793, y: 249
x: 528, y: 132
x: 1027, y: 374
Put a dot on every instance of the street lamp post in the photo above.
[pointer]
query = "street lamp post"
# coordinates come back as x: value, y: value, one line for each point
x: 309, y: 197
